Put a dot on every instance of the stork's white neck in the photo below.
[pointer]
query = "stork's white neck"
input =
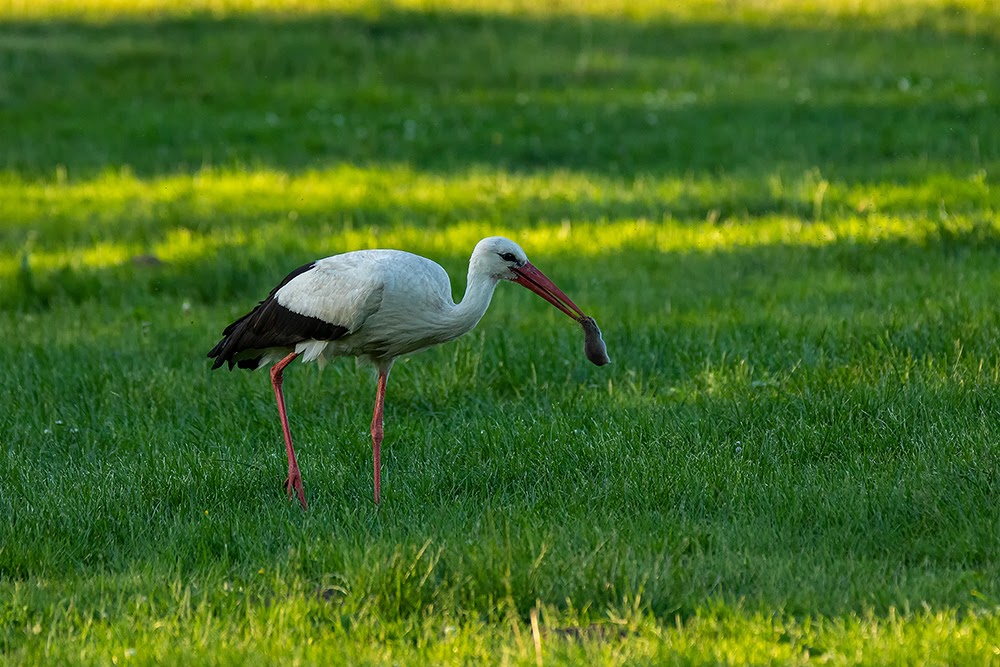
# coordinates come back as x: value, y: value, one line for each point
x: 472, y: 307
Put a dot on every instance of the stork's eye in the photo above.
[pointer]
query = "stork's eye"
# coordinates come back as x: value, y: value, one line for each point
x: 508, y: 257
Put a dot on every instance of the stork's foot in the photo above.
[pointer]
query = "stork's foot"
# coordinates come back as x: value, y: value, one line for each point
x: 293, y: 487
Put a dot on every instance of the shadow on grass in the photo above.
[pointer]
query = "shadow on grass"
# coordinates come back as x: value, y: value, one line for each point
x: 446, y: 91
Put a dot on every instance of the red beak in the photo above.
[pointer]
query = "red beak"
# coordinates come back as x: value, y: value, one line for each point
x: 530, y: 277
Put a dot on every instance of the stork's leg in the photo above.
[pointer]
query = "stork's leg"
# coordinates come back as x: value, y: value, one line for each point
x: 294, y: 480
x: 383, y: 376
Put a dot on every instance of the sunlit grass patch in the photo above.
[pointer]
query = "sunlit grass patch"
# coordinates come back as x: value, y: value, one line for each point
x: 110, y: 220
x: 883, y: 11
x: 120, y: 231
x: 173, y: 620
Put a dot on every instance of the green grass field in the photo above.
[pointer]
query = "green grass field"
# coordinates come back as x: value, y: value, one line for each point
x: 784, y: 215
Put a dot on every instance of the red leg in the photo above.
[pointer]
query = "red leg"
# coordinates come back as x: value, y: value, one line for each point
x: 383, y: 376
x: 294, y: 480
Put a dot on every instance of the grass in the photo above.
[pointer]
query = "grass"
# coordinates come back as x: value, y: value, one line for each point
x: 784, y: 215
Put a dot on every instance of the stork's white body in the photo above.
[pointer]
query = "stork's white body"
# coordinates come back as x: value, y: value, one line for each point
x: 392, y: 303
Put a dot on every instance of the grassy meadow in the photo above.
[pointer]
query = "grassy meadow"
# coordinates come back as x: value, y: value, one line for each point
x: 785, y: 216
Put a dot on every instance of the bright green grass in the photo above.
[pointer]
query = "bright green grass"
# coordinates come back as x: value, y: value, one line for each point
x: 784, y: 215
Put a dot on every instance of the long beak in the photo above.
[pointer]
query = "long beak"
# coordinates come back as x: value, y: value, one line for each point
x: 530, y: 277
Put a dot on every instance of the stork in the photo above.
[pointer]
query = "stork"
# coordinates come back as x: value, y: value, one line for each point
x: 375, y: 305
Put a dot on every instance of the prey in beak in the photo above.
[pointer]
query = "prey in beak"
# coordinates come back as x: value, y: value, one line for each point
x: 530, y: 277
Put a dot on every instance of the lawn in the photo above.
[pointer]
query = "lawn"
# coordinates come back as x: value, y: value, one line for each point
x: 785, y: 216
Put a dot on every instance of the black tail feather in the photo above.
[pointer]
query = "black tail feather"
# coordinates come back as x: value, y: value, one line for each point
x: 228, y: 347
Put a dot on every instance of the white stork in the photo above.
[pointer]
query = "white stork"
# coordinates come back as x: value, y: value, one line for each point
x: 375, y: 305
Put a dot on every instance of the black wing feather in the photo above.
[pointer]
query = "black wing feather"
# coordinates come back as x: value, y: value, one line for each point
x: 270, y: 325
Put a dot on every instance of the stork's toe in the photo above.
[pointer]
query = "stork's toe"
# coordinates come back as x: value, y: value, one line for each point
x: 293, y: 487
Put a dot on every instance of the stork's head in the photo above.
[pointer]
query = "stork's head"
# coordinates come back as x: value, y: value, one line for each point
x: 498, y: 257
x: 502, y: 259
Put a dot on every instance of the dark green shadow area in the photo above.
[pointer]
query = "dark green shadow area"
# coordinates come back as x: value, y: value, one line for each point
x: 445, y: 91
